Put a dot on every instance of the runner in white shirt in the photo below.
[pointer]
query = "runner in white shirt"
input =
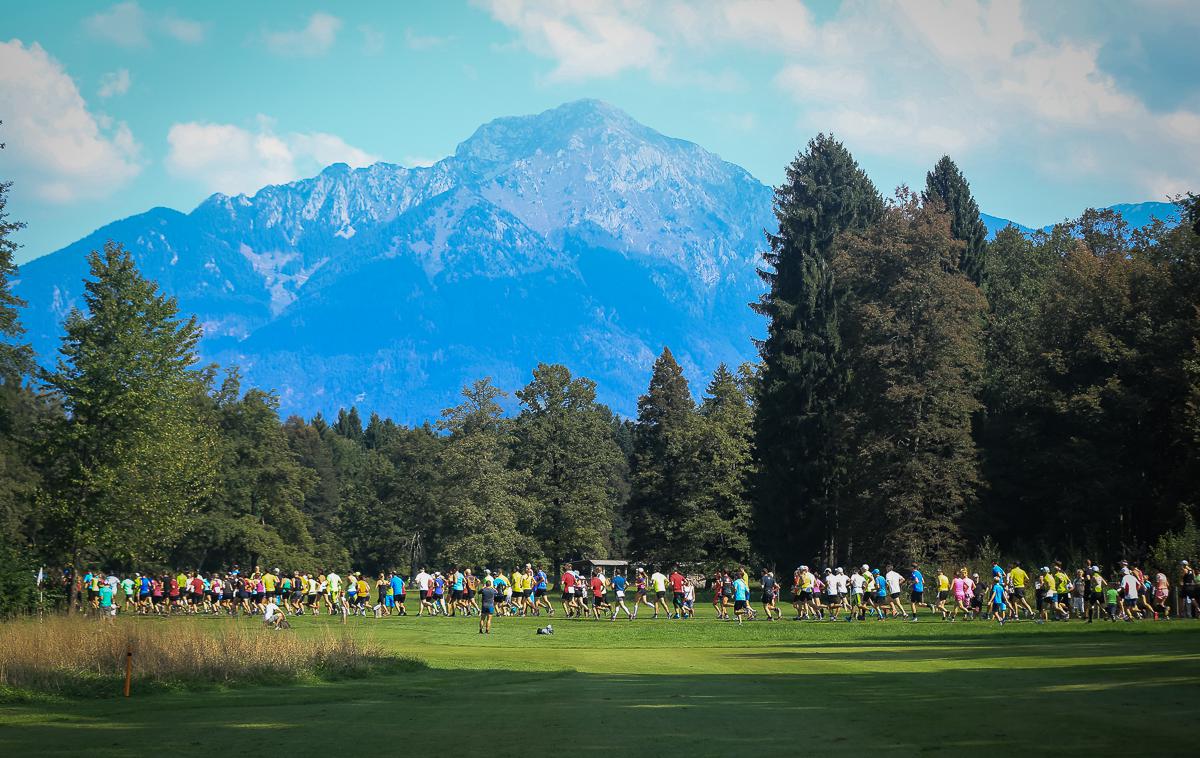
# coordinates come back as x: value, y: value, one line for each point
x: 423, y: 579
x: 857, y: 585
x: 894, y: 581
x: 1129, y: 591
x: 658, y: 583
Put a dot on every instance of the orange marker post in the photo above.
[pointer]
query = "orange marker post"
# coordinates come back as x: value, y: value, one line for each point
x: 128, y: 667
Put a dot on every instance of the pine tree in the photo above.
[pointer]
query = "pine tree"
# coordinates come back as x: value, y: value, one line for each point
x: 20, y: 412
x: 947, y: 184
x: 726, y: 468
x: 134, y: 456
x: 803, y: 379
x: 565, y: 440
x: 666, y: 460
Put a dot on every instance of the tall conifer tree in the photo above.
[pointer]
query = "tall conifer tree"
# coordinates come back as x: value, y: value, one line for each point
x: 948, y: 185
x: 823, y: 194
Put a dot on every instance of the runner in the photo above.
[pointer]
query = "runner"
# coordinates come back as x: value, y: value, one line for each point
x: 741, y: 598
x: 658, y: 582
x: 1017, y: 579
x: 917, y: 592
x: 768, y: 595
x: 619, y: 582
x: 999, y: 597
x: 676, y: 582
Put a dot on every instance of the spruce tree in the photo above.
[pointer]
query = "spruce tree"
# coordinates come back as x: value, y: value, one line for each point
x: 726, y: 468
x: 134, y: 456
x: 666, y: 460
x: 19, y: 411
x: 947, y: 184
x: 803, y: 379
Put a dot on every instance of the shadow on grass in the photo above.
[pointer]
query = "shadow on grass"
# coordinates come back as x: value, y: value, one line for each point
x: 502, y: 712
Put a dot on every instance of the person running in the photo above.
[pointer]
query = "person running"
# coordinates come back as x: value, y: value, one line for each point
x: 641, y: 584
x: 894, y: 582
x: 943, y: 594
x: 1096, y: 600
x: 1017, y: 579
x: 768, y: 594
x: 540, y: 590
x: 717, y: 589
x: 658, y: 581
x: 858, y: 584
x: 999, y: 599
x: 1062, y: 591
x: 1162, y: 591
x: 1049, y: 590
x: 504, y: 592
x: 676, y: 582
x: 487, y: 606
x: 1129, y: 595
x: 567, y: 582
x: 916, y: 594
x: 619, y: 583
x: 599, y: 588
x: 741, y: 598
x: 962, y: 594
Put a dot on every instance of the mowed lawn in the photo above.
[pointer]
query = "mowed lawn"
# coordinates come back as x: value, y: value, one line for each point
x: 693, y: 688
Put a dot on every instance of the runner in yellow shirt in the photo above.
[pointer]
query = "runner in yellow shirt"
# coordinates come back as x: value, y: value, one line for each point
x: 943, y: 593
x: 1017, y: 580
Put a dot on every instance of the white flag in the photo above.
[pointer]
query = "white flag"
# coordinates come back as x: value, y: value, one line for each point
x: 41, y: 575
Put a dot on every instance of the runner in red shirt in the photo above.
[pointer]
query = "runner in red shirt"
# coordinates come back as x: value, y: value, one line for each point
x: 599, y: 586
x: 676, y: 580
x: 568, y: 591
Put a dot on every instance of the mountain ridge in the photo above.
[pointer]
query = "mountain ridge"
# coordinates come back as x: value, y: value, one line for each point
x: 577, y: 235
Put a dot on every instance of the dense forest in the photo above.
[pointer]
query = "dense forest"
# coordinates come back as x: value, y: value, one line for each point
x: 922, y: 393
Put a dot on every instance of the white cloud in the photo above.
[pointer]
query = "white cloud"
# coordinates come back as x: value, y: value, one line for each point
x: 114, y: 83
x: 908, y: 79
x: 586, y: 39
x: 315, y: 38
x: 231, y: 159
x: 127, y: 25
x: 123, y: 24
x: 56, y: 146
x: 185, y: 29
x: 416, y: 41
x: 373, y: 39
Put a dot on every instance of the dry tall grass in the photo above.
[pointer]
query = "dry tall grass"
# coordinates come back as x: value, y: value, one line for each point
x: 83, y: 656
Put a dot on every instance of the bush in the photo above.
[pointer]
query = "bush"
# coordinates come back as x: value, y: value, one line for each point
x: 78, y: 656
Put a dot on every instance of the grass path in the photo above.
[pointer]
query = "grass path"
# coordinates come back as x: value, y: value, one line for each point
x: 679, y: 688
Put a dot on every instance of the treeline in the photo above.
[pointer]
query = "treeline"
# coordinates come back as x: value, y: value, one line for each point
x: 921, y: 392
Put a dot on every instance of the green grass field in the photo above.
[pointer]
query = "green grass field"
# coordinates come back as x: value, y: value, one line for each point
x: 691, y: 688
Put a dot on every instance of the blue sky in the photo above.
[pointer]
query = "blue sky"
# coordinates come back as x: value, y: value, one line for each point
x: 1047, y: 107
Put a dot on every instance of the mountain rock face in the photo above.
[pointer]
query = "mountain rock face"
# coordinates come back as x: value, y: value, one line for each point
x: 576, y: 236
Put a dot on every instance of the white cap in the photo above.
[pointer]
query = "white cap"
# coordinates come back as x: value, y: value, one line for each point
x: 1124, y: 571
x: 866, y: 567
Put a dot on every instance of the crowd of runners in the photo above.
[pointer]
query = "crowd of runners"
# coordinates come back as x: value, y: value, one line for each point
x: 1046, y: 593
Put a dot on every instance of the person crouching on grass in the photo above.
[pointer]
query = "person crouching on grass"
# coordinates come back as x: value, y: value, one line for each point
x: 487, y: 606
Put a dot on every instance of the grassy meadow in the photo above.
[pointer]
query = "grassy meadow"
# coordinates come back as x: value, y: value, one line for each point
x: 693, y: 688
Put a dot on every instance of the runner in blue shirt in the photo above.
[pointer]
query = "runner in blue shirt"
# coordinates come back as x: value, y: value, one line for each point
x: 999, y: 607
x: 398, y: 593
x: 619, y: 583
x: 917, y: 591
x: 741, y: 596
x: 539, y: 593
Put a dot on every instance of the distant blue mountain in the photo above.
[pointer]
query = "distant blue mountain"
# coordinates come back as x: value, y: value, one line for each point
x: 1136, y: 215
x: 577, y: 235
